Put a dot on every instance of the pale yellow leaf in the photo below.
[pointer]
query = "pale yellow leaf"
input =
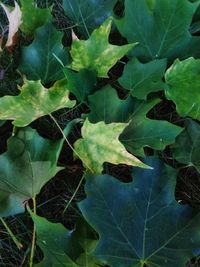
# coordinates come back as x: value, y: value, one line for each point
x: 15, y: 20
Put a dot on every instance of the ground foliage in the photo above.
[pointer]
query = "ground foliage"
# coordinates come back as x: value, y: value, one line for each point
x: 100, y: 134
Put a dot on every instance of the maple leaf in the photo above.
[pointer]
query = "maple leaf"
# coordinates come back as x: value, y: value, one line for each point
x: 97, y: 53
x: 100, y: 144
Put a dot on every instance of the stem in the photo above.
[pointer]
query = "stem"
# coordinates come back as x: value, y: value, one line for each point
x: 15, y: 240
x: 75, y: 152
x: 34, y: 235
x: 74, y: 194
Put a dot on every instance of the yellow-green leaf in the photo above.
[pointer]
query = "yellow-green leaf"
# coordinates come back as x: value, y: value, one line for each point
x: 100, y: 144
x: 34, y: 101
x: 97, y: 53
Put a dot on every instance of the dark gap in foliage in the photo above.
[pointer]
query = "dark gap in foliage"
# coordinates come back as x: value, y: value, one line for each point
x: 188, y: 186
x: 121, y: 172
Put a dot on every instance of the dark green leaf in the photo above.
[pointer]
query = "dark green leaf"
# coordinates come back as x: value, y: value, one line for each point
x: 187, y: 147
x: 142, y: 79
x: 39, y: 60
x: 106, y: 106
x: 53, y: 239
x: 87, y: 15
x: 29, y: 163
x: 140, y: 222
x: 81, y: 84
x: 160, y: 26
x: 62, y: 247
x: 144, y: 132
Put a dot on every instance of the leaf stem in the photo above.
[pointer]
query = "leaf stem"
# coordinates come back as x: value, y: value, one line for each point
x: 15, y: 240
x: 74, y: 194
x: 67, y: 141
x: 34, y: 235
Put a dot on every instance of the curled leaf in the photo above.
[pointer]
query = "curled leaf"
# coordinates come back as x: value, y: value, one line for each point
x: 15, y: 20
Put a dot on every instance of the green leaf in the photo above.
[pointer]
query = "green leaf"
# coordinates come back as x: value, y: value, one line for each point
x: 81, y: 84
x: 87, y: 238
x: 144, y: 132
x: 34, y: 101
x: 63, y: 247
x: 106, y: 106
x: 38, y: 16
x: 183, y: 86
x: 28, y: 164
x: 187, y: 146
x: 142, y: 79
x: 87, y: 15
x: 39, y: 60
x: 100, y: 144
x: 54, y: 240
x: 97, y: 53
x: 157, y: 26
x: 140, y: 222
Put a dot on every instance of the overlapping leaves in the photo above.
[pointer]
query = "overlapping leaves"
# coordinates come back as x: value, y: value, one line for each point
x: 29, y: 163
x: 138, y: 223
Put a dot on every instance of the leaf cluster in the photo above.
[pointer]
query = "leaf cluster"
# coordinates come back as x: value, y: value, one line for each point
x: 110, y: 72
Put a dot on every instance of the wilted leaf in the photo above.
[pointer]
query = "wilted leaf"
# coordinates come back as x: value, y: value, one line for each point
x: 38, y: 17
x: 140, y: 223
x: 97, y: 53
x: 28, y: 164
x: 100, y: 144
x: 34, y: 101
x: 39, y: 60
x: 183, y: 81
x: 142, y: 79
x: 15, y: 20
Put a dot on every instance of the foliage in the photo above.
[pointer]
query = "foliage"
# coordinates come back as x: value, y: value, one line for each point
x: 126, y: 74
